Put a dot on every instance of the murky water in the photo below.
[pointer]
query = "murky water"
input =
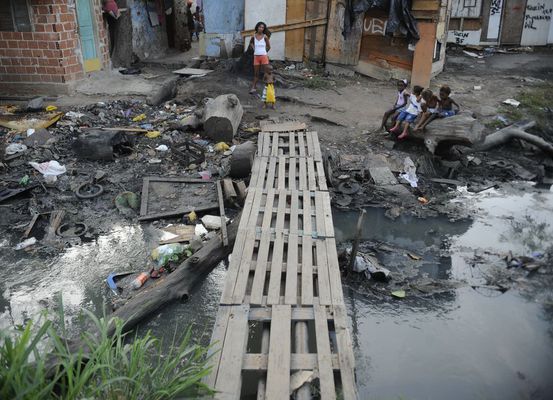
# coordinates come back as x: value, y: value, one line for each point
x: 461, y: 343
x: 466, y: 343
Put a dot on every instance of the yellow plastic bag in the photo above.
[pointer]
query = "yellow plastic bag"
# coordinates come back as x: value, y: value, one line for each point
x: 51, y: 108
x: 139, y: 118
x: 153, y: 134
x: 270, y: 94
x: 221, y: 147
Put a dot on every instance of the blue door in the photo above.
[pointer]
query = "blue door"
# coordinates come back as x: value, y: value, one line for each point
x: 85, y: 18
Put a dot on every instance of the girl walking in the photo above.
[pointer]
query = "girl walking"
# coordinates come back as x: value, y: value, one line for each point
x: 261, y: 45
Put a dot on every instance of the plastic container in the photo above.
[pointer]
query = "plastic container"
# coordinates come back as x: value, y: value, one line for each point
x: 139, y: 280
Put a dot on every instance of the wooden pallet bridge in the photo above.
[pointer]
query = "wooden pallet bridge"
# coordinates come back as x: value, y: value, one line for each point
x: 281, y: 327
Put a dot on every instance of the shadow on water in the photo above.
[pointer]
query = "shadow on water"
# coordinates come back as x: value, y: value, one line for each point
x: 465, y: 342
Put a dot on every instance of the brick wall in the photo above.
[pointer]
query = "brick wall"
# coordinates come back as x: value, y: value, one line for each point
x: 51, y: 53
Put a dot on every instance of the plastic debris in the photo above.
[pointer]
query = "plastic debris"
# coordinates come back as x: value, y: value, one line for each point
x: 409, y: 174
x: 422, y: 200
x: 138, y: 118
x: 74, y: 115
x: 24, y: 181
x: 154, y: 161
x: 26, y: 243
x: 153, y: 134
x: 139, y: 280
x: 30, y: 132
x: 14, y: 148
x: 200, y: 230
x: 162, y: 147
x: 400, y: 294
x: 205, y: 175
x: 192, y: 217
x: 212, y: 222
x: 127, y: 203
x: 512, y: 102
x: 49, y: 169
x: 51, y: 108
x: 221, y: 147
x: 169, y: 252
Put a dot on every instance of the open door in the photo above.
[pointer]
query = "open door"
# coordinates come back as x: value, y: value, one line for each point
x: 85, y: 19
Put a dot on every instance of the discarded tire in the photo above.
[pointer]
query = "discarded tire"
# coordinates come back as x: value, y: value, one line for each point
x: 89, y: 191
x: 71, y: 230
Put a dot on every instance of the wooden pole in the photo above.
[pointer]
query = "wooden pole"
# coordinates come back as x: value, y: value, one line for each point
x: 357, y: 238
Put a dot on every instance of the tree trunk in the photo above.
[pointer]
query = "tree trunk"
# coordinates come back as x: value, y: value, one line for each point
x: 222, y: 117
x: 460, y: 129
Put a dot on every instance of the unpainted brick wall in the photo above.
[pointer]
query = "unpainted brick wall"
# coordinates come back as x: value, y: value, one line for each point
x: 51, y: 53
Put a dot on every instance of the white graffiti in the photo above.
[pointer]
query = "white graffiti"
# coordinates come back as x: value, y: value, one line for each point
x: 375, y: 26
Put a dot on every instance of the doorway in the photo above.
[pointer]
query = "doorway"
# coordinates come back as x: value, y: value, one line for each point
x: 513, y: 20
x: 85, y: 19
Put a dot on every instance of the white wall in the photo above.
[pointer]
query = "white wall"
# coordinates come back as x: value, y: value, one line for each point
x: 537, y: 22
x: 464, y: 37
x: 272, y: 12
x: 496, y: 10
x: 466, y: 8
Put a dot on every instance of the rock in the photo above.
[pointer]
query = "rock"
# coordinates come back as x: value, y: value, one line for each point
x: 39, y: 138
x: 99, y: 144
x: 487, y: 111
x: 36, y: 104
x: 241, y: 161
x: 222, y: 117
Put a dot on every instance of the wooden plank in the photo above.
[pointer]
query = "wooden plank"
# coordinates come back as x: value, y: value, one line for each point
x: 294, y: 39
x: 324, y: 359
x: 292, y: 145
x: 311, y: 177
x: 336, y: 291
x: 289, y: 27
x: 234, y: 267
x: 292, y: 174
x: 425, y: 5
x: 309, y: 140
x: 267, y: 144
x: 285, y: 127
x: 217, y: 342
x: 321, y: 177
x: 260, y: 269
x: 228, y: 189
x: 260, y: 362
x: 263, y: 314
x: 320, y: 221
x: 192, y: 71
x: 338, y: 49
x: 245, y: 259
x: 323, y: 279
x: 262, y: 174
x: 180, y: 211
x: 274, y: 145
x: 327, y: 213
x: 316, y: 147
x: 282, y: 172
x: 291, y: 288
x: 229, y: 376
x: 301, y: 144
x: 345, y: 353
x: 144, y: 200
x: 307, y: 253
x: 222, y: 212
x: 275, y: 278
x: 278, y: 369
x: 302, y: 173
x: 260, y: 138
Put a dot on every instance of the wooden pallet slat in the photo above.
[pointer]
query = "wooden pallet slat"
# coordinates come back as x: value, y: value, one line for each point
x: 345, y: 353
x: 324, y: 358
x: 278, y: 370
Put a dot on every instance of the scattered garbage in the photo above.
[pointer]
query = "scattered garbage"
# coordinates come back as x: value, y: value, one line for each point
x: 35, y: 104
x: 512, y: 102
x: 140, y: 280
x: 192, y: 217
x: 30, y: 132
x: 51, y: 108
x: 370, y: 266
x: 205, y: 175
x: 14, y: 148
x: 24, y: 181
x: 26, y: 243
x: 153, y: 134
x: 400, y: 294
x: 127, y: 203
x: 49, y: 169
x: 111, y: 280
x: 74, y: 115
x: 162, y: 147
x: 138, y: 118
x: 422, y: 200
x: 409, y: 172
x: 221, y: 147
x: 200, y: 230
x: 169, y: 252
x: 212, y: 222
x: 89, y: 190
x: 70, y: 230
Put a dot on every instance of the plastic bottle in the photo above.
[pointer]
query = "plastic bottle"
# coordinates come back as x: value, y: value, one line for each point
x: 139, y: 280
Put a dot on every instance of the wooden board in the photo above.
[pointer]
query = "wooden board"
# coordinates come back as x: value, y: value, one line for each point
x: 192, y: 71
x: 295, y: 12
x: 289, y: 174
x: 340, y: 50
x: 298, y: 144
x: 285, y: 127
x: 278, y: 370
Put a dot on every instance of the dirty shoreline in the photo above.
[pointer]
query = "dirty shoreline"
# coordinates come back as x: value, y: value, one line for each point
x: 468, y: 249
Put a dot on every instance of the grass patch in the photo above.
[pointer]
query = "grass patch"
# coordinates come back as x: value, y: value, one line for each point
x: 534, y: 104
x: 105, y: 366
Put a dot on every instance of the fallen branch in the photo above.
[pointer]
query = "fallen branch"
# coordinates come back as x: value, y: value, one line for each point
x: 516, y: 131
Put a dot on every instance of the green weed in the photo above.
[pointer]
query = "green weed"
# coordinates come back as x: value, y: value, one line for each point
x: 38, y: 363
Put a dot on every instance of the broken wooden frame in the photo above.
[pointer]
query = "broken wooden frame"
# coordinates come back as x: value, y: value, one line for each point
x: 145, y: 216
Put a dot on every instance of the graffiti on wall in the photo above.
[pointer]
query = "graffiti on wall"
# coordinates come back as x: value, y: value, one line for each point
x: 535, y: 13
x: 495, y: 7
x: 462, y: 38
x: 374, y: 26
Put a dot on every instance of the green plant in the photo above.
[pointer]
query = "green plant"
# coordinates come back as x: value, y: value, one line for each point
x: 317, y: 82
x: 38, y: 363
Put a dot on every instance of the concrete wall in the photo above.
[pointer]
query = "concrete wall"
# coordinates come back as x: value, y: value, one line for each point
x: 147, y: 40
x: 272, y: 12
x: 223, y: 22
x: 537, y: 22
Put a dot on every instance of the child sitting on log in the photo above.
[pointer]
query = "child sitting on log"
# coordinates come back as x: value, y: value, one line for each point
x: 429, y: 108
x: 399, y: 105
x: 410, y: 114
x: 446, y: 103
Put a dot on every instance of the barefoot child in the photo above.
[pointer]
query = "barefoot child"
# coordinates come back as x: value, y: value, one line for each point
x: 447, y: 103
x: 269, y: 97
x: 429, y: 108
x: 409, y: 115
x: 401, y: 101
